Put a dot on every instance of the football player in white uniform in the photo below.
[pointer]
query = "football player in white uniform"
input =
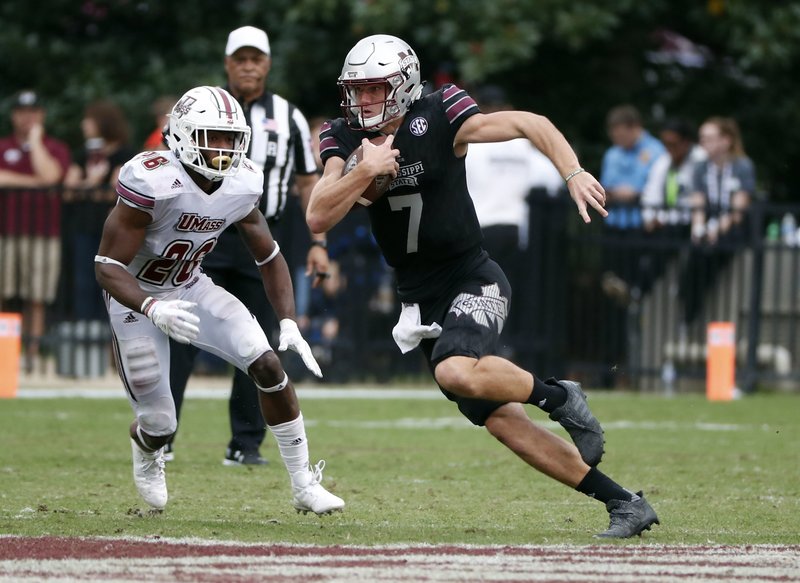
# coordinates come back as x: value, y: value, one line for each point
x: 172, y: 206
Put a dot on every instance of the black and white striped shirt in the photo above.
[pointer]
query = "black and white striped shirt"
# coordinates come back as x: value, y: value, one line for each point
x: 280, y: 145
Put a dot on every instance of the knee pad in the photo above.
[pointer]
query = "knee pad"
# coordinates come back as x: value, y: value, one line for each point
x: 157, y: 419
x: 140, y: 355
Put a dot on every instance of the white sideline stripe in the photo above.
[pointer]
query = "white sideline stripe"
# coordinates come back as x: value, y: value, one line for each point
x: 405, y: 423
x: 223, y: 393
x: 462, y: 423
x: 310, y: 393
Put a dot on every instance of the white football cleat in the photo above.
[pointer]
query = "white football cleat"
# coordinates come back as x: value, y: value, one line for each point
x: 310, y: 496
x: 148, y: 475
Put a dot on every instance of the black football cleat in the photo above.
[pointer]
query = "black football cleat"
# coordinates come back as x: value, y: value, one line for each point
x: 243, y: 458
x: 583, y: 427
x: 629, y: 518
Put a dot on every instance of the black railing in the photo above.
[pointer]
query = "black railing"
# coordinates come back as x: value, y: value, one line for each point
x: 635, y: 305
x: 609, y: 308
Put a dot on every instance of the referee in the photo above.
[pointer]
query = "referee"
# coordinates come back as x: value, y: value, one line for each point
x: 281, y: 145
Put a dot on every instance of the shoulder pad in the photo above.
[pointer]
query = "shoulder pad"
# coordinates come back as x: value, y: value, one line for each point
x: 153, y: 175
x: 249, y: 179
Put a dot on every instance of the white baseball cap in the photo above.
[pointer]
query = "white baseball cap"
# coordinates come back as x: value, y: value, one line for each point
x: 247, y: 36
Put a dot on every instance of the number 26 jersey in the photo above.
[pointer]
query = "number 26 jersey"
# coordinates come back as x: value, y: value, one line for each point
x: 186, y: 221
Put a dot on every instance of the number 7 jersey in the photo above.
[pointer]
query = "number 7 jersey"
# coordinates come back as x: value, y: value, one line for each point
x: 186, y: 221
x: 425, y: 224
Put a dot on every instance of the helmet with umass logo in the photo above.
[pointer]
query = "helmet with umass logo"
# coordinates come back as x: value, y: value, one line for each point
x: 379, y: 58
x: 199, y: 111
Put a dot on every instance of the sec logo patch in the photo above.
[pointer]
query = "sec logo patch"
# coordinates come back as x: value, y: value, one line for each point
x: 418, y: 126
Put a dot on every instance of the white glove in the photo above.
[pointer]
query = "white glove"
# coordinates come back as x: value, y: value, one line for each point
x: 173, y: 317
x: 291, y: 338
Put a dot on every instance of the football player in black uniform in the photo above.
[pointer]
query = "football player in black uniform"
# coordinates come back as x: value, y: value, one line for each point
x: 455, y: 298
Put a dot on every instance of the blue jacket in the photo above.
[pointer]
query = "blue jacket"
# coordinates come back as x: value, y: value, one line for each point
x: 629, y: 167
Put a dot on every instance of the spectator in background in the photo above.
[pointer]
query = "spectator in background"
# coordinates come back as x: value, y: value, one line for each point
x: 626, y: 166
x: 160, y: 108
x: 500, y: 176
x: 31, y: 164
x: 723, y: 187
x: 89, y: 196
x: 665, y: 200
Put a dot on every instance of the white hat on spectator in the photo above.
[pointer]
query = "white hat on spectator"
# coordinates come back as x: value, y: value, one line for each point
x: 247, y: 36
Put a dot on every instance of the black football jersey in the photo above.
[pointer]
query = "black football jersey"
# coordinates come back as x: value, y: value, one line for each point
x: 425, y: 224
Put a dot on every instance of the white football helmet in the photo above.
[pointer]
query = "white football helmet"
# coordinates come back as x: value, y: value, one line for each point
x: 199, y: 111
x: 374, y: 59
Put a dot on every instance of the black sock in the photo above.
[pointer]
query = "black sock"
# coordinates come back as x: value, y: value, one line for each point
x: 548, y: 397
x: 596, y: 484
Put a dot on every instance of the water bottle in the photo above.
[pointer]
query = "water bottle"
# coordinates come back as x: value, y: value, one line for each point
x: 668, y: 377
x: 788, y: 230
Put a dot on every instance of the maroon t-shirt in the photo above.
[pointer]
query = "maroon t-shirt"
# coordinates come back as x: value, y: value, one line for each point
x: 30, y: 211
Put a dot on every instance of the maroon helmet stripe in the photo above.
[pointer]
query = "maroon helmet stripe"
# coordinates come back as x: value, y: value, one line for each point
x: 226, y: 103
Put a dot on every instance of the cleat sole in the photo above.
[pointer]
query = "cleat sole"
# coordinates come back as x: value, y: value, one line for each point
x: 323, y: 513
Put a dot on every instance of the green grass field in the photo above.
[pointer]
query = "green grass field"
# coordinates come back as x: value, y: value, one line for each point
x: 411, y: 471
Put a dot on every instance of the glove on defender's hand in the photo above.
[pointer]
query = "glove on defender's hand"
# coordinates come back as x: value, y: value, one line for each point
x: 173, y: 317
x: 291, y: 338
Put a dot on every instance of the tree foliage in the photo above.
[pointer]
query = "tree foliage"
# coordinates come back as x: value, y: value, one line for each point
x: 570, y: 60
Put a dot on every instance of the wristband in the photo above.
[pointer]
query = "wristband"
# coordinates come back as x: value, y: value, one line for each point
x: 573, y: 174
x: 323, y: 244
x: 147, y: 304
